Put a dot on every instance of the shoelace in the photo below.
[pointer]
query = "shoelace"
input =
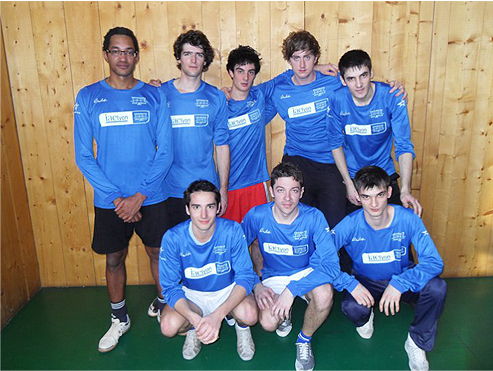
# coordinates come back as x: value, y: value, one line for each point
x: 244, y: 339
x: 305, y: 351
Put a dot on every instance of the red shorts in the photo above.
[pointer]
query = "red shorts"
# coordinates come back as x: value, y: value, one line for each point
x: 240, y: 201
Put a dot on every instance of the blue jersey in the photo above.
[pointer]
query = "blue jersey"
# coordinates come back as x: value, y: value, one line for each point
x: 211, y: 266
x: 367, y: 132
x: 199, y: 120
x: 384, y: 254
x: 303, y: 108
x: 288, y: 249
x: 132, y: 131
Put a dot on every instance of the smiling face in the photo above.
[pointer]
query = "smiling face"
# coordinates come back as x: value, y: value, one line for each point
x: 375, y: 200
x: 192, y: 60
x: 303, y: 64
x: 121, y: 65
x: 202, y: 210
x: 358, y: 81
x: 286, y: 193
x: 243, y: 77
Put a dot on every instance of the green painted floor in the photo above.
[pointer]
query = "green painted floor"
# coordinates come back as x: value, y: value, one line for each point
x: 60, y: 329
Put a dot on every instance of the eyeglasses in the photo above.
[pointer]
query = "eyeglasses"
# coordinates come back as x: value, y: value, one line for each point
x: 118, y: 53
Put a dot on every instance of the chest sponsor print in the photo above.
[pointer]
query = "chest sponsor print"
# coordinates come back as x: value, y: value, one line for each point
x: 189, y: 121
x: 369, y: 129
x: 244, y: 120
x: 287, y: 250
x: 384, y: 257
x: 124, y: 118
x: 207, y: 270
x: 308, y: 108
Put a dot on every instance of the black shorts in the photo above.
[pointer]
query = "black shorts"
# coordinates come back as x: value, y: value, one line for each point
x: 112, y: 234
x: 175, y: 212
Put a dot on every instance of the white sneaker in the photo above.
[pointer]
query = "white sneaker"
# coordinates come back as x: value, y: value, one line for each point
x: 192, y: 346
x: 110, y: 340
x: 366, y: 331
x: 230, y: 320
x: 244, y: 343
x: 153, y: 310
x: 417, y: 356
x: 304, y: 357
x: 284, y: 328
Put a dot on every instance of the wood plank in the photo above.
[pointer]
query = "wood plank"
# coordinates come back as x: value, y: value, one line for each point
x: 227, y: 39
x: 322, y: 21
x: 210, y: 20
x: 21, y: 57
x: 381, y: 38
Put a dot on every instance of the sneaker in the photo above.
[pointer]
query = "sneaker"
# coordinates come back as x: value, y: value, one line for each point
x: 110, y: 340
x: 417, y: 356
x: 366, y: 331
x: 192, y: 345
x: 230, y: 320
x: 244, y: 343
x: 284, y: 328
x: 304, y: 357
x: 153, y: 310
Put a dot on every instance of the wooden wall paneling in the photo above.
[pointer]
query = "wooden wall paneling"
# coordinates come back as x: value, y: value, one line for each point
x: 11, y: 153
x: 33, y: 139
x: 116, y: 14
x: 355, y: 26
x: 55, y: 80
x: 228, y: 29
x: 86, y: 66
x: 478, y: 69
x: 381, y: 40
x: 322, y: 21
x: 484, y: 113
x: 210, y: 18
x: 397, y: 42
x: 285, y: 18
x: 156, y: 44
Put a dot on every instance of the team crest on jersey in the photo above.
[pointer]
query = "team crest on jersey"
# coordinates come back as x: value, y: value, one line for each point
x: 139, y: 101
x: 376, y: 113
x: 202, y: 103
x: 319, y: 91
x: 251, y: 103
x: 102, y: 100
x: 219, y: 250
x: 399, y: 236
x: 300, y: 235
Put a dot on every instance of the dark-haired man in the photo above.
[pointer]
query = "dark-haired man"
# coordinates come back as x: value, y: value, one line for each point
x: 363, y: 123
x: 206, y: 274
x: 129, y: 120
x: 378, y: 239
x: 294, y: 240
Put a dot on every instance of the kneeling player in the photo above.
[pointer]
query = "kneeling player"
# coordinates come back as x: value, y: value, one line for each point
x: 206, y: 273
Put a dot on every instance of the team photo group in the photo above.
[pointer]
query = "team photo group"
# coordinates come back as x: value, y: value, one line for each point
x: 183, y: 164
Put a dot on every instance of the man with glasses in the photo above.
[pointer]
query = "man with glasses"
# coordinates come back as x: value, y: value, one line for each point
x: 130, y: 122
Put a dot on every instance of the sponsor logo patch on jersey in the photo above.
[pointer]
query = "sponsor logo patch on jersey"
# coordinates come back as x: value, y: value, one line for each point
x: 308, y: 108
x: 124, y: 118
x: 371, y: 129
x: 139, y: 101
x: 384, y: 257
x: 208, y: 270
x: 188, y: 121
x: 202, y: 103
x: 288, y: 250
x: 244, y: 120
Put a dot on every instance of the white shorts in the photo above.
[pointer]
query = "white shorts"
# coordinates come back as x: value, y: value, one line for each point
x: 208, y: 301
x: 279, y: 283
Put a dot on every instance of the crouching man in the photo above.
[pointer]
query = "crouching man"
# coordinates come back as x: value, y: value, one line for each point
x: 206, y: 273
x: 378, y: 239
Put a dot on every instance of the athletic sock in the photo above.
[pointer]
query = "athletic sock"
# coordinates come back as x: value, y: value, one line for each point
x: 241, y: 327
x: 160, y: 303
x: 302, y: 338
x: 119, y: 310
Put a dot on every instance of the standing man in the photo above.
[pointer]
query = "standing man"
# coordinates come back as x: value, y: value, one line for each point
x: 199, y: 120
x: 129, y: 120
x: 294, y: 240
x: 378, y: 239
x: 206, y: 274
x: 363, y: 122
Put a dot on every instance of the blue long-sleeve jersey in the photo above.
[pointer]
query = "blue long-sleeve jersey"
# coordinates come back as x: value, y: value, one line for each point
x: 384, y: 254
x: 366, y: 133
x: 303, y: 108
x: 132, y: 131
x: 288, y: 249
x: 211, y: 266
x: 199, y: 120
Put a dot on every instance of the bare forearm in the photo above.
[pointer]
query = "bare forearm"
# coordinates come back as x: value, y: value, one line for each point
x: 340, y: 160
x: 223, y: 160
x: 406, y: 170
x: 237, y: 295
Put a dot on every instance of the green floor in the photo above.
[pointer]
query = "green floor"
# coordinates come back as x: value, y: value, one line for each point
x: 60, y: 329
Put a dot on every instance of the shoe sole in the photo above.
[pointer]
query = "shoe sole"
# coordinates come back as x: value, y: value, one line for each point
x: 247, y: 358
x: 299, y: 367
x: 106, y: 350
x: 283, y: 334
x: 151, y: 313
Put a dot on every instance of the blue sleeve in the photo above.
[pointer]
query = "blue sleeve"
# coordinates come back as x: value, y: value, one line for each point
x: 401, y: 129
x: 270, y: 111
x: 170, y: 269
x: 84, y: 155
x: 334, y: 126
x: 242, y: 264
x: 221, y: 131
x: 430, y: 264
x: 268, y: 87
x: 164, y: 154
x: 248, y: 226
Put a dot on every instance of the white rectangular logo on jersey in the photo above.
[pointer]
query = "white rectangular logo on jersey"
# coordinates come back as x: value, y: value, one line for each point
x: 384, y: 257
x: 244, y: 120
x: 371, y: 129
x: 124, y: 118
x: 208, y: 270
x: 288, y: 250
x: 308, y: 108
x: 189, y: 121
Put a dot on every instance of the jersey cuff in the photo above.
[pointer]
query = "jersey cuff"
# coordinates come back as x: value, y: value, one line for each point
x: 112, y: 197
x: 397, y: 285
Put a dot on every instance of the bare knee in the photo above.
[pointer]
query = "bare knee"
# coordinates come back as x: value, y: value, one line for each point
x: 116, y: 260
x: 170, y: 324
x: 246, y: 312
x: 322, y: 297
x: 268, y: 322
